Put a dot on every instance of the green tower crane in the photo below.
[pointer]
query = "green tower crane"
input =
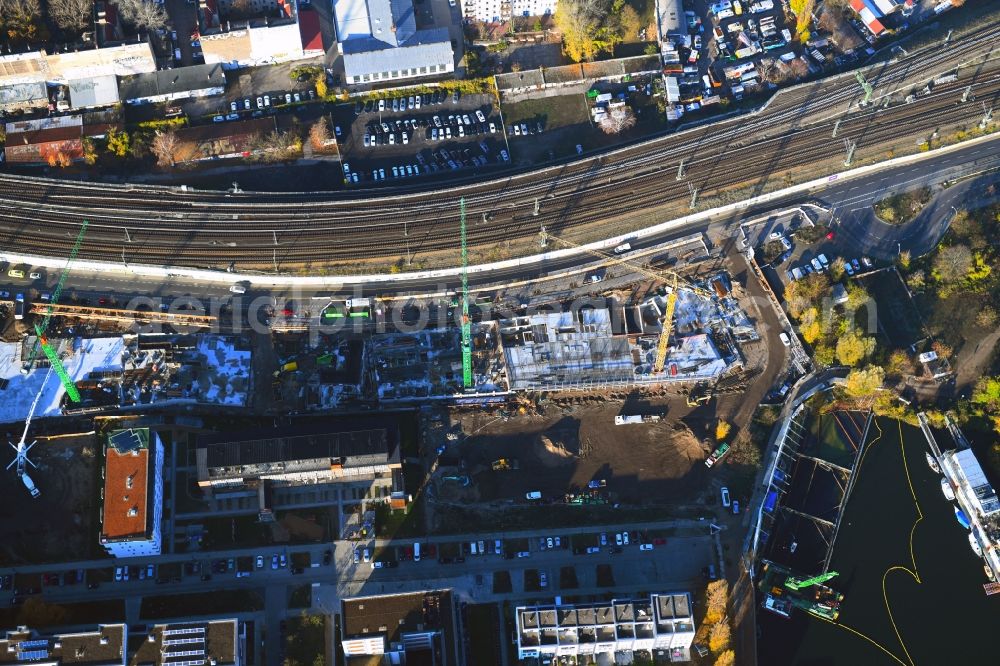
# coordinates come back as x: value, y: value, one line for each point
x: 56, y: 293
x: 57, y: 365
x: 798, y: 584
x: 467, y: 379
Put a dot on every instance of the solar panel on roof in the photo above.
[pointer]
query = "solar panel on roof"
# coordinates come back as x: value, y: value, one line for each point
x: 33, y: 644
x: 34, y: 655
x: 125, y: 441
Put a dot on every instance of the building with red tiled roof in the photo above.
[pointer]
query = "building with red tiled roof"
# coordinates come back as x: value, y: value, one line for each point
x: 312, y: 39
x: 132, y: 506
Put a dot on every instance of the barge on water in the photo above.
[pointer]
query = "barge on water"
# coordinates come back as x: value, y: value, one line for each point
x: 782, y: 590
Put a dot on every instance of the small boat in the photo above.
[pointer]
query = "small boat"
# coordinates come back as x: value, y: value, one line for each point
x: 974, y: 543
x: 932, y: 463
x: 988, y: 570
x: 962, y: 519
x: 949, y: 494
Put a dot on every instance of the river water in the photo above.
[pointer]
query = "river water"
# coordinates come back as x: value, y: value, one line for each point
x: 913, y: 587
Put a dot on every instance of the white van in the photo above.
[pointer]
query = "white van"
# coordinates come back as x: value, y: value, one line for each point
x: 623, y: 248
x: 472, y: 548
x: 534, y: 495
x: 238, y: 289
x: 416, y: 552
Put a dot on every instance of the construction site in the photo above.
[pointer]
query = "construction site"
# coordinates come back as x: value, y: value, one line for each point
x: 120, y: 372
x: 600, y: 345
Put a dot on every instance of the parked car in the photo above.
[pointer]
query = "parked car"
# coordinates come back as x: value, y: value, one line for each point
x: 646, y: 546
x: 785, y: 340
x: 725, y: 497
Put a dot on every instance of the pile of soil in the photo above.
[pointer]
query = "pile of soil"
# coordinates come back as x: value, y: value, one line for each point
x: 552, y: 453
x: 687, y: 446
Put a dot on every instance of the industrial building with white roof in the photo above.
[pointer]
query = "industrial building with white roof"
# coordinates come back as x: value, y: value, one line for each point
x: 380, y: 42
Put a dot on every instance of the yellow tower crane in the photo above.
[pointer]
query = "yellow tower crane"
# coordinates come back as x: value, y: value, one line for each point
x: 664, y: 275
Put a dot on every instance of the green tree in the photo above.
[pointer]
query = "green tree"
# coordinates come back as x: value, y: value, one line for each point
x: 852, y: 348
x: 863, y: 383
x: 716, y: 600
x: 21, y: 21
x: 898, y: 364
x: 942, y: 349
x: 987, y: 317
x: 629, y: 23
x: 118, y: 143
x: 952, y: 264
x: 987, y: 393
x: 824, y: 355
x: 727, y: 658
x: 811, y: 327
x: 581, y: 23
x: 856, y: 296
x: 719, y: 637
x: 803, y: 16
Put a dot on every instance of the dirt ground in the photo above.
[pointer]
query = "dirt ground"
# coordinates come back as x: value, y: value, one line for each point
x: 567, y: 446
x: 63, y: 522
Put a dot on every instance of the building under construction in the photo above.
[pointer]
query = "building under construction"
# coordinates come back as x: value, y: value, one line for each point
x: 111, y: 373
x: 612, y: 346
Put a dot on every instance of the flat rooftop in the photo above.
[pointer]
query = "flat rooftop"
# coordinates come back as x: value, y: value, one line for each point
x: 210, y: 642
x: 126, y: 477
x: 101, y: 646
x: 398, y: 614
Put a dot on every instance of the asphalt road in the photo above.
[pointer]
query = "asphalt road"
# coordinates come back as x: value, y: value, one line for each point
x: 674, y: 565
x: 859, y: 227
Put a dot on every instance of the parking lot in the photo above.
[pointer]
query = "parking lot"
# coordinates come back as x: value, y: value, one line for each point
x: 790, y: 246
x: 406, y: 136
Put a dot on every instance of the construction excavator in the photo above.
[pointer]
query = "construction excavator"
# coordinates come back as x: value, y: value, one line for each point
x: 505, y: 464
x: 673, y: 279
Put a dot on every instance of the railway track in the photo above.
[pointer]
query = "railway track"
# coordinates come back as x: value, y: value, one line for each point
x: 164, y: 226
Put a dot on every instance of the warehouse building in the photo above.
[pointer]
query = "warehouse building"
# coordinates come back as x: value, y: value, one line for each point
x: 253, y: 43
x: 132, y: 497
x: 380, y: 42
x: 57, y: 140
x: 93, y: 92
x: 663, y: 622
x: 170, y: 85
